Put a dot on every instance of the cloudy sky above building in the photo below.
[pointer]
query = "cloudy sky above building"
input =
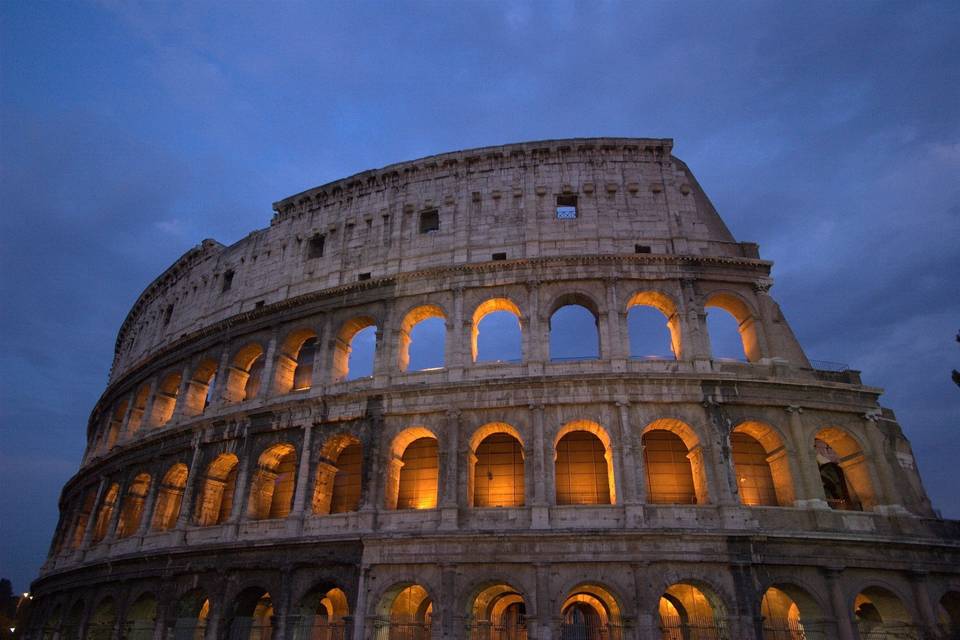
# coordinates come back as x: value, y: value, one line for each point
x: 827, y: 132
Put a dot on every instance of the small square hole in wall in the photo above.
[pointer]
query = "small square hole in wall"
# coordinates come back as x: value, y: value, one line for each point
x: 430, y: 221
x: 566, y: 207
x: 167, y: 314
x: 499, y: 256
x: 259, y: 304
x: 363, y: 276
x: 641, y: 248
x: 227, y: 281
x: 315, y: 246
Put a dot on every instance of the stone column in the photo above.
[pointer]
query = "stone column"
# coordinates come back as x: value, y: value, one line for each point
x: 115, y: 515
x: 303, y: 473
x: 238, y: 510
x: 189, y: 488
x: 182, y: 393
x: 124, y: 434
x: 450, y: 620
x: 809, y: 489
x: 841, y: 612
x: 282, y: 611
x: 615, y: 347
x: 540, y: 514
x: 449, y: 472
x: 924, y: 605
x: 320, y: 375
x: 535, y: 349
x: 888, y: 501
x: 326, y: 474
x: 628, y: 463
x: 269, y: 367
x: 92, y: 519
x: 217, y: 398
x: 455, y: 349
x: 546, y: 616
x: 693, y: 327
x: 360, y: 612
x: 146, y: 516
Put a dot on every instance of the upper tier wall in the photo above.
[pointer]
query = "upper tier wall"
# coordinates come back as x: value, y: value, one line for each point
x: 492, y: 200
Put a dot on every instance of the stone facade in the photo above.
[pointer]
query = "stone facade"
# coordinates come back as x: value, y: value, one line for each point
x: 239, y: 482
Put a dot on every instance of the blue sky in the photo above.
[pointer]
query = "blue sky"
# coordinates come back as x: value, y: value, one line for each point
x: 827, y: 132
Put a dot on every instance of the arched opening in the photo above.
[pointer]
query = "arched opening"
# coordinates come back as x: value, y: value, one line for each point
x: 422, y: 339
x: 948, y: 614
x: 165, y: 399
x: 584, y: 465
x: 354, y: 349
x: 404, y: 613
x: 321, y: 615
x: 251, y: 617
x: 413, y: 470
x: 271, y: 491
x: 169, y: 498
x: 131, y: 512
x: 294, y: 366
x: 219, y: 485
x: 71, y: 625
x: 733, y: 333
x: 51, y: 624
x: 339, y: 476
x: 83, y: 517
x: 192, y: 612
x: 688, y: 611
x: 105, y: 514
x: 138, y: 409
x: 844, y: 471
x: 574, y: 329
x: 590, y: 612
x: 200, y: 388
x: 495, y: 332
x: 244, y: 375
x: 102, y: 621
x: 790, y: 613
x: 497, y: 612
x: 141, y: 618
x: 496, y: 467
x: 674, y: 464
x: 650, y: 337
x: 761, y: 466
x: 115, y: 424
x: 881, y: 614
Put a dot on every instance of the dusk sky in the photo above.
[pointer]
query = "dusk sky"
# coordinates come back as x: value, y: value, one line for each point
x: 829, y: 133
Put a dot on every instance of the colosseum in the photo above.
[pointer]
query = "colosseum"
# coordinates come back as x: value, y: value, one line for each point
x: 274, y: 457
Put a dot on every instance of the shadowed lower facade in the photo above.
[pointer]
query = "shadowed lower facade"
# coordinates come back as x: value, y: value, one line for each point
x: 283, y: 451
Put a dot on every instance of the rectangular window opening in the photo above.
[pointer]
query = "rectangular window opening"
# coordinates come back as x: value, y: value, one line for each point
x: 259, y: 304
x: 499, y: 256
x: 641, y: 248
x: 430, y: 221
x: 363, y: 276
x: 315, y: 247
x: 566, y: 207
x: 167, y: 315
x: 227, y: 281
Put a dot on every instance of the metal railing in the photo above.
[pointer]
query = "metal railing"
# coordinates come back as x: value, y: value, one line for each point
x: 590, y: 630
x: 781, y: 629
x: 676, y: 628
x: 827, y: 365
x: 250, y: 629
x: 386, y: 629
x: 888, y: 631
x: 312, y: 628
x: 484, y: 630
x: 187, y: 629
x: 138, y: 630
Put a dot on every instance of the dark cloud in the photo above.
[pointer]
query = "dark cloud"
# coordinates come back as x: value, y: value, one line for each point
x: 827, y: 132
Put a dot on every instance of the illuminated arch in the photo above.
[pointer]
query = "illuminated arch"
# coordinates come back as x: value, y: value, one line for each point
x: 102, y: 620
x: 412, y: 318
x: 340, y: 367
x: 192, y: 612
x: 413, y: 470
x: 485, y: 308
x: 251, y: 615
x: 691, y: 609
x: 165, y: 399
x: 665, y: 305
x: 404, y: 612
x: 169, y: 498
x: 790, y: 613
x: 339, y: 480
x: 880, y: 612
x: 497, y: 611
x: 584, y: 482
x: 200, y: 387
x: 105, y: 513
x: 761, y: 465
x: 746, y: 321
x: 294, y: 365
x: 139, y: 408
x: 321, y: 613
x: 591, y: 610
x: 115, y: 424
x: 140, y: 617
x: 844, y: 470
x: 131, y: 511
x: 272, y: 487
x: 674, y: 463
x: 496, y: 467
x: 582, y: 301
x: 244, y: 377
x: 219, y: 485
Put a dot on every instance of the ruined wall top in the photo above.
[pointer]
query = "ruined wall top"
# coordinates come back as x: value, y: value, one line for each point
x: 494, y: 203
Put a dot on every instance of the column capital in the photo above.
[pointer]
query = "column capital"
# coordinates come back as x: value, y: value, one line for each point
x: 793, y: 408
x: 535, y: 407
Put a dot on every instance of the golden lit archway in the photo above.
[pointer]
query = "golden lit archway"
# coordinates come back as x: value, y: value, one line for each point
x: 340, y: 367
x: 485, y: 308
x: 294, y: 366
x: 219, y: 484
x: 844, y: 470
x: 169, y: 498
x: 339, y: 477
x: 761, y: 465
x: 584, y: 464
x: 412, y: 474
x: 496, y: 467
x: 790, y: 613
x: 746, y: 321
x: 689, y: 610
x: 414, y: 317
x: 271, y: 490
x: 131, y: 511
x: 674, y: 463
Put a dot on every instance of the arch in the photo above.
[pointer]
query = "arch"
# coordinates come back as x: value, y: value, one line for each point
x: 413, y: 470
x: 790, y: 613
x: 583, y: 460
x: 219, y: 484
x: 71, y: 624
x: 165, y: 399
x: 140, y: 618
x: 294, y: 366
x: 251, y: 615
x: 51, y: 623
x: 115, y: 424
x: 82, y: 518
x: 572, y: 320
x: 245, y: 373
x: 844, y: 470
x: 271, y: 490
x: 413, y: 318
x: 200, y: 388
x: 131, y: 511
x: 343, y: 346
x: 746, y: 321
x: 339, y: 480
x: 761, y: 465
x: 320, y: 614
x: 948, y: 613
x: 674, y: 463
x: 138, y: 410
x: 880, y: 613
x: 497, y: 611
x: 496, y: 467
x: 591, y: 611
x: 486, y: 308
x: 404, y: 612
x: 102, y: 620
x: 192, y: 612
x: 691, y: 609
x: 666, y: 306
x: 105, y: 514
x: 169, y: 498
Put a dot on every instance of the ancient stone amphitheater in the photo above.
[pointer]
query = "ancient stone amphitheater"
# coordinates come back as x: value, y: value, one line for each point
x: 269, y: 461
